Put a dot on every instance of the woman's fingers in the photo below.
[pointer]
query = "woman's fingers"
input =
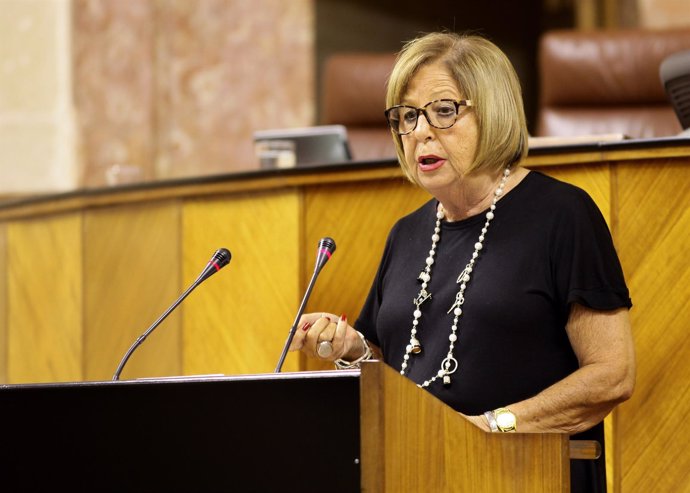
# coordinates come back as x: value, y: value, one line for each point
x: 321, y: 335
x: 339, y: 337
x: 300, y: 333
x: 303, y: 326
x: 318, y: 332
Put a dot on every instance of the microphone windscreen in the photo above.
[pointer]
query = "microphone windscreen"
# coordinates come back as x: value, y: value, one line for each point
x: 222, y: 257
x: 327, y: 244
x: 323, y: 254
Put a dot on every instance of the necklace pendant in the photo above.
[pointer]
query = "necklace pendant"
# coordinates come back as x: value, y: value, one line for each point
x: 464, y: 275
x: 446, y: 380
x: 416, y: 346
x: 421, y: 298
x: 459, y: 300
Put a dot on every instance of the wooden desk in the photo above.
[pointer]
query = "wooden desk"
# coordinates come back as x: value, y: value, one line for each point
x: 83, y: 274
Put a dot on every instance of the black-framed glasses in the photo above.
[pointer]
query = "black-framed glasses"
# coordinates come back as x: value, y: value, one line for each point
x: 441, y: 113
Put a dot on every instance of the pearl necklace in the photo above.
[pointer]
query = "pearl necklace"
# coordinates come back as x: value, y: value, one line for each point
x: 449, y: 365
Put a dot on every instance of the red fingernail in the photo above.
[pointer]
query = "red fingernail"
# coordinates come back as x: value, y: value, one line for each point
x: 306, y: 326
x: 343, y: 317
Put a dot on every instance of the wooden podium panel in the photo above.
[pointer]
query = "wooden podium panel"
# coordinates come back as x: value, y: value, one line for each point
x: 413, y: 442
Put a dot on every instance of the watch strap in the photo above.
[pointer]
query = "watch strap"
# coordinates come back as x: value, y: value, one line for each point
x: 491, y: 419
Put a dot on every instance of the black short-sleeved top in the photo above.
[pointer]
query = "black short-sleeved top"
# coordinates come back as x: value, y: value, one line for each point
x: 547, y: 247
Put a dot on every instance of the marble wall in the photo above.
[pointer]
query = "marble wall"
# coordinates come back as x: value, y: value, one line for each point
x: 111, y: 91
x: 173, y: 88
x: 114, y: 87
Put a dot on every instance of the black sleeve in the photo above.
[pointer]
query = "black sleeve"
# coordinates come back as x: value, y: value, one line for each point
x: 585, y: 264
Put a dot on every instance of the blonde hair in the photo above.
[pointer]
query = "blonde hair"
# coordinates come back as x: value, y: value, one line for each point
x: 484, y: 75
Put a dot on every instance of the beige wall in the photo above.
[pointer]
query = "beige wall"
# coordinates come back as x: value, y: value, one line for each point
x: 663, y: 13
x: 611, y: 14
x: 37, y: 141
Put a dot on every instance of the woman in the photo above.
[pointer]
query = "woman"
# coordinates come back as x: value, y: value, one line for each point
x: 520, y: 313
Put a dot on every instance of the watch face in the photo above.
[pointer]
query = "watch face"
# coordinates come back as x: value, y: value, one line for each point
x: 505, y: 420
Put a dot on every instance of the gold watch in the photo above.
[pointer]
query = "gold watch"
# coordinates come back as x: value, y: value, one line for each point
x: 505, y: 420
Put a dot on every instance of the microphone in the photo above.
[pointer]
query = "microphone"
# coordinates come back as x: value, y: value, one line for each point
x: 220, y: 259
x: 323, y: 255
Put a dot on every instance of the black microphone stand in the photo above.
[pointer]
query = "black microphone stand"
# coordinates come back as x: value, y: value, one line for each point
x: 220, y: 259
x: 142, y: 337
x: 293, y: 329
x: 326, y: 248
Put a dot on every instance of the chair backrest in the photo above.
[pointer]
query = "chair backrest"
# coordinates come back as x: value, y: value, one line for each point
x: 353, y: 94
x: 603, y: 82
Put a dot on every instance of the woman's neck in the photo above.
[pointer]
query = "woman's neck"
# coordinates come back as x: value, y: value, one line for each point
x: 475, y: 193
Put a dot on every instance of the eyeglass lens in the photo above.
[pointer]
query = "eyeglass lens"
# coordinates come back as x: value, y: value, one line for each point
x: 439, y: 114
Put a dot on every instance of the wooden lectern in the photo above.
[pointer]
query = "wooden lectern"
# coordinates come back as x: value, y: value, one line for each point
x: 371, y: 431
x: 411, y: 441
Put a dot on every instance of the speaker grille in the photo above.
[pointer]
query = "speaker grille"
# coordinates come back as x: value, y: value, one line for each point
x: 678, y: 91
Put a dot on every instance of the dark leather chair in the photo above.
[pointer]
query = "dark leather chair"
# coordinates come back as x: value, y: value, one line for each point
x: 606, y: 82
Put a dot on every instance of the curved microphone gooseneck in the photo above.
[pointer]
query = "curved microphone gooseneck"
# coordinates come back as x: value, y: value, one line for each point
x: 323, y: 254
x: 220, y: 259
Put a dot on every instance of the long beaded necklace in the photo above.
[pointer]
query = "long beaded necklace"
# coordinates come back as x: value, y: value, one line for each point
x: 449, y: 365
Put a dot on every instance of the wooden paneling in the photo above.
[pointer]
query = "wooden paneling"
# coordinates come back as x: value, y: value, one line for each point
x: 44, y: 299
x: 3, y: 304
x: 358, y: 217
x: 241, y: 321
x: 654, y: 234
x: 420, y: 444
x: 132, y: 275
x: 598, y: 181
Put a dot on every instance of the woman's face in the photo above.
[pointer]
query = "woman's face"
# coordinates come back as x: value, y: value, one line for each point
x: 438, y: 157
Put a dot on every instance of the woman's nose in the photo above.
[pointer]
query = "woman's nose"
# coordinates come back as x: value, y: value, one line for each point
x: 423, y: 130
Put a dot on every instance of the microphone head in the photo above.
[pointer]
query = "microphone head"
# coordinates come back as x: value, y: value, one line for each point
x: 323, y: 254
x: 222, y: 257
x: 327, y: 244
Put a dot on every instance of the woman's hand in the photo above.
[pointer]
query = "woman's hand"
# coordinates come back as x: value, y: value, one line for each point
x: 315, y: 328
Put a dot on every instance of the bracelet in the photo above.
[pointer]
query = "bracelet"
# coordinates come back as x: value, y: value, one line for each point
x: 491, y: 419
x: 341, y: 364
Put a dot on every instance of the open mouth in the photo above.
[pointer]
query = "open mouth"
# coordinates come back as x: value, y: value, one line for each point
x: 430, y: 163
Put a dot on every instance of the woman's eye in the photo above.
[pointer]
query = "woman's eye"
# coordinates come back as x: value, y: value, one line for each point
x: 410, y: 116
x: 445, y: 111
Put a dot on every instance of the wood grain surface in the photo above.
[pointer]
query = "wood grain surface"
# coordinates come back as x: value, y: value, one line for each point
x: 654, y: 239
x: 413, y: 442
x: 44, y: 299
x: 132, y: 274
x: 3, y: 303
x: 240, y: 322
